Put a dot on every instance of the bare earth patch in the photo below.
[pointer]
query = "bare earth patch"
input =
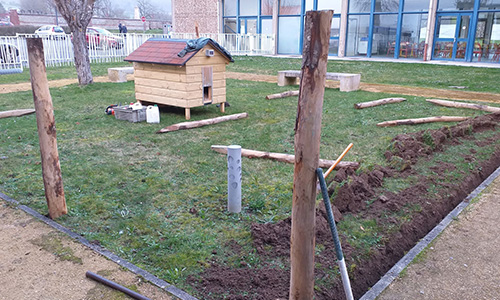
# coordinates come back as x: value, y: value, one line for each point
x: 272, y: 241
x: 38, y: 262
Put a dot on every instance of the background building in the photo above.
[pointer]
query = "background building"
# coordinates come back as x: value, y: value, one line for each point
x: 463, y: 30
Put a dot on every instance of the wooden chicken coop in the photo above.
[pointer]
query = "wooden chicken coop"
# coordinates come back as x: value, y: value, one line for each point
x: 163, y: 75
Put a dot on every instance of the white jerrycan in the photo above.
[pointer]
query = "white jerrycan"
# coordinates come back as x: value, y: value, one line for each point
x: 153, y: 114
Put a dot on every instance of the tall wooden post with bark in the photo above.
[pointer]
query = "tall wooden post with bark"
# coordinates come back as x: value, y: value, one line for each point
x: 51, y: 169
x: 307, y: 141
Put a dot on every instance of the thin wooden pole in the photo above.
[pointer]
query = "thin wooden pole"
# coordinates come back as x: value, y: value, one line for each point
x: 288, y: 158
x: 463, y: 105
x: 422, y: 120
x: 201, y: 123
x: 51, y: 169
x: 16, y: 113
x: 341, y: 156
x: 307, y: 141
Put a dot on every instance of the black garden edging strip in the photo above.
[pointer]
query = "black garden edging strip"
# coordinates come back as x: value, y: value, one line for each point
x: 393, y: 273
x: 108, y: 254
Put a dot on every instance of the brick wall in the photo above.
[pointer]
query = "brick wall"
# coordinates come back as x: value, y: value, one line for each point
x: 186, y: 12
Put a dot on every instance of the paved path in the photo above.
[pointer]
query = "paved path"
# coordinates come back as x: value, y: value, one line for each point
x: 38, y: 262
x: 463, y: 262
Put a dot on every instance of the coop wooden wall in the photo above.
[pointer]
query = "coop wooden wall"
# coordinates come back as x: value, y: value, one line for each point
x: 180, y: 86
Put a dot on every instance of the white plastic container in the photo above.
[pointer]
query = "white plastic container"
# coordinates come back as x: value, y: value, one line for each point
x: 136, y: 106
x: 152, y: 114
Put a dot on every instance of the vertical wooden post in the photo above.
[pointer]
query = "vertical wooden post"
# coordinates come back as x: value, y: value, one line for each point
x: 307, y: 140
x: 51, y: 169
x: 196, y: 29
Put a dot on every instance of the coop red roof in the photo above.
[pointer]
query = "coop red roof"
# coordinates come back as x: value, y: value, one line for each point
x: 163, y: 51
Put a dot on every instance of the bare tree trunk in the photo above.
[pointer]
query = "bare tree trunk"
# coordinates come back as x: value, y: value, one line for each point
x: 82, y: 61
x: 307, y: 140
x: 77, y: 14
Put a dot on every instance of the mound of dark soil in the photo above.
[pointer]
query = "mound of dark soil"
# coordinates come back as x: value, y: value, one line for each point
x: 272, y: 241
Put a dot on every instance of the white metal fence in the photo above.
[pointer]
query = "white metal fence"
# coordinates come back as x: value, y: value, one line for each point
x: 59, y: 48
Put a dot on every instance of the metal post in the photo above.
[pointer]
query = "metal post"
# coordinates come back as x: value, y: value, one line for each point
x: 234, y: 178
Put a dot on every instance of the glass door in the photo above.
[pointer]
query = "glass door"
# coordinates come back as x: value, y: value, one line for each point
x: 452, y: 36
x: 248, y: 25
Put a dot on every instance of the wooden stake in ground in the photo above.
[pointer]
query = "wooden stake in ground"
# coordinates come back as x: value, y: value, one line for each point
x: 197, y: 29
x: 16, y: 113
x: 463, y: 105
x: 282, y: 95
x: 421, y: 121
x: 195, y: 124
x: 51, y: 169
x: 307, y: 141
x: 287, y: 158
x: 378, y: 102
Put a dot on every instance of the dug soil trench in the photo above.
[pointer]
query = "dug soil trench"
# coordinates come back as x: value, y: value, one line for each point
x: 410, y: 214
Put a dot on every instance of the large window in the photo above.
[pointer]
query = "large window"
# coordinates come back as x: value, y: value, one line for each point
x: 413, y: 34
x: 249, y: 7
x: 358, y: 35
x: 386, y: 5
x: 289, y: 35
x: 384, y: 34
x: 330, y: 4
x: 448, y: 5
x: 385, y: 17
x: 290, y: 7
x: 489, y: 4
x: 230, y: 8
x: 360, y: 6
x: 266, y: 8
x: 487, y: 42
x: 416, y: 5
x: 230, y: 25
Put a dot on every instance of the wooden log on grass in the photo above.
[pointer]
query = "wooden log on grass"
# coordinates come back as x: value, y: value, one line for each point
x: 200, y: 123
x: 307, y: 141
x: 422, y: 120
x: 45, y: 121
x: 287, y: 158
x: 282, y: 95
x: 16, y: 112
x: 378, y: 102
x: 463, y: 105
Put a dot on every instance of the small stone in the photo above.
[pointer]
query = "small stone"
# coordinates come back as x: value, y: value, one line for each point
x: 422, y: 292
x: 383, y: 198
x: 465, y: 265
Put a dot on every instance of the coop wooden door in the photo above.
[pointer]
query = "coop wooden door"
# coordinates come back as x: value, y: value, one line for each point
x: 207, y: 84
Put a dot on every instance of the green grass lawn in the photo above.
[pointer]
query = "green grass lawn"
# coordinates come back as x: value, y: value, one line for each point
x: 159, y: 199
x: 408, y: 74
